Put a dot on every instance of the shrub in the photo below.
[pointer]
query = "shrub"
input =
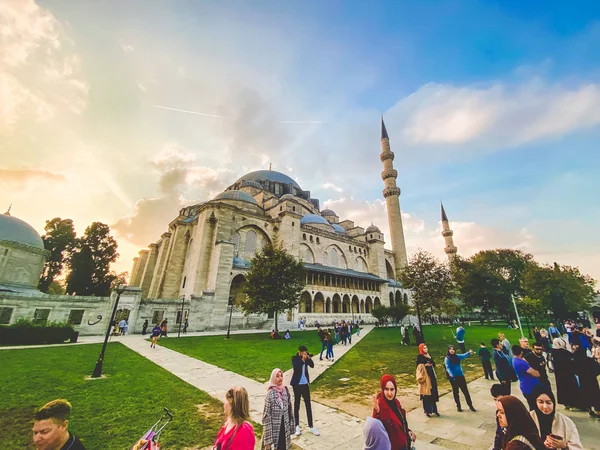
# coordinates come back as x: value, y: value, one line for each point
x: 27, y: 332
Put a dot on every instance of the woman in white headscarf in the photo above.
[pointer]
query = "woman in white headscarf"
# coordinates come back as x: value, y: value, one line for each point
x: 278, y: 418
x: 376, y: 438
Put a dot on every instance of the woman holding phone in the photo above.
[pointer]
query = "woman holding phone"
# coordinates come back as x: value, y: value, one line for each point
x: 556, y: 429
x: 521, y: 433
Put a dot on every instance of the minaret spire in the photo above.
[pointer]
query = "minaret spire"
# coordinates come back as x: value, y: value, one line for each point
x: 7, y: 213
x: 450, y: 248
x: 391, y: 193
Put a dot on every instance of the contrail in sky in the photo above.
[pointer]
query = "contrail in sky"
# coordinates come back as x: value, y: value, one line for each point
x: 225, y: 117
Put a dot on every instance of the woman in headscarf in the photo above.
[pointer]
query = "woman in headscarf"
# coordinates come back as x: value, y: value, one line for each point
x: 278, y: 418
x: 388, y: 410
x: 376, y: 438
x: 406, y: 339
x: 521, y: 432
x: 551, y: 423
x: 567, y: 388
x: 455, y: 373
x: 587, y: 371
x: 427, y: 381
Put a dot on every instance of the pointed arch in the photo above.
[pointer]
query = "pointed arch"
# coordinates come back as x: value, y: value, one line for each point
x: 377, y: 302
x: 305, y: 305
x: 336, y: 303
x: 319, y: 303
x: 361, y: 264
x: 355, y: 304
x: 337, y: 258
x: 362, y: 306
x: 405, y: 299
x: 236, y: 290
x: 252, y: 239
x: 368, y: 305
x: 398, y: 297
x: 391, y: 299
x: 389, y: 270
x: 346, y: 304
x: 328, y: 305
x: 306, y: 253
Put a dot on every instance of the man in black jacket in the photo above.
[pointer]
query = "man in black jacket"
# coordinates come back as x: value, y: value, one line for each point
x: 537, y: 361
x: 300, y: 379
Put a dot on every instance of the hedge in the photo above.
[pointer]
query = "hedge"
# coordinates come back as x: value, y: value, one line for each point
x: 27, y: 332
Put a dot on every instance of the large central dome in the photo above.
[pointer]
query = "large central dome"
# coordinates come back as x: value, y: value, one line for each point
x: 269, y: 175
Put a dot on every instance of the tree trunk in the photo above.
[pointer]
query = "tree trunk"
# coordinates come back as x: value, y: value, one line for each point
x: 276, y: 326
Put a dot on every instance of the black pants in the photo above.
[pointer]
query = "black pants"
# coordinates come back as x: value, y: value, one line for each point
x: 507, y: 385
x: 461, y: 345
x: 281, y: 444
x: 460, y: 383
x: 530, y: 401
x: 304, y: 391
x: 487, y: 370
x: 429, y: 406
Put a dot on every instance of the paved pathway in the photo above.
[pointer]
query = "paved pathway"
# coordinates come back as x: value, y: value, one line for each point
x: 338, y: 430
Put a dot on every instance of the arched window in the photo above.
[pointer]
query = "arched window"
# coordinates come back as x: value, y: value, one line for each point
x: 250, y: 242
x: 308, y: 257
x: 318, y: 240
x: 334, y: 257
x: 325, y: 259
x: 304, y: 236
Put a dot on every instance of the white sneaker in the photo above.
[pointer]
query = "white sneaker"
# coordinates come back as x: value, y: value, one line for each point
x: 314, y: 431
x: 298, y: 432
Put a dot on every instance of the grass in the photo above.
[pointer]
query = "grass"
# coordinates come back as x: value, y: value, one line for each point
x: 381, y: 352
x: 107, y: 413
x: 252, y: 355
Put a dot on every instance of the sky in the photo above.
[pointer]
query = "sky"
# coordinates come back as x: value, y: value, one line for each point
x: 125, y: 114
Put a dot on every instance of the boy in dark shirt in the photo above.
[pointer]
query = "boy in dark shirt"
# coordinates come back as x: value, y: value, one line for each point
x: 486, y: 361
x: 51, y: 427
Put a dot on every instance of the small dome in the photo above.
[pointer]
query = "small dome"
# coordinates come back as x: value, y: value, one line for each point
x: 20, y: 232
x: 313, y: 219
x: 328, y: 212
x: 252, y: 183
x: 372, y: 229
x: 237, y: 261
x: 338, y: 228
x: 236, y: 195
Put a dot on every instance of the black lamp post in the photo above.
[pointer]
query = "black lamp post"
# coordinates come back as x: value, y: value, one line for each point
x: 97, y: 373
x: 181, y: 316
x: 230, y: 311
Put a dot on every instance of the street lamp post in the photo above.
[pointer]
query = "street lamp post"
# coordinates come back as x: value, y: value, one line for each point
x: 230, y: 311
x: 517, y: 313
x: 419, y: 319
x: 181, y: 316
x: 97, y: 373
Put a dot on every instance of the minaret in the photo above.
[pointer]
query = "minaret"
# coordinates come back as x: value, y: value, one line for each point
x: 391, y: 193
x: 447, y: 233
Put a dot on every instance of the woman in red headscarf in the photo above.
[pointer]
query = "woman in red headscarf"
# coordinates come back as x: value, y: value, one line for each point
x: 521, y: 431
x: 388, y: 410
x: 427, y: 381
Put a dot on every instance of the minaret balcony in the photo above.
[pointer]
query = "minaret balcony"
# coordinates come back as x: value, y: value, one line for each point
x: 393, y: 173
x: 391, y: 191
x: 450, y: 250
x: 386, y: 155
x: 447, y: 233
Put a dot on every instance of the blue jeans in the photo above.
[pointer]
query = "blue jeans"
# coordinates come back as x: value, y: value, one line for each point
x: 329, y: 350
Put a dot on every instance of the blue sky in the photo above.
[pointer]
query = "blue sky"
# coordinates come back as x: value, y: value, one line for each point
x: 493, y: 107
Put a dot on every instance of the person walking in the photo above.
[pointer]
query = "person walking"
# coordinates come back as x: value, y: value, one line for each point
x: 300, y: 384
x: 321, y: 334
x: 552, y: 424
x: 145, y: 327
x: 567, y: 387
x: 387, y: 409
x: 278, y: 418
x: 406, y: 340
x: 156, y: 331
x: 528, y: 377
x: 123, y: 327
x: 417, y: 334
x: 521, y: 432
x: 587, y: 372
x: 486, y: 361
x: 237, y: 433
x: 455, y: 373
x: 460, y: 338
x: 163, y: 328
x: 504, y: 370
x: 349, y: 333
x: 329, y: 343
x: 376, y: 438
x: 402, y: 331
x: 427, y: 381
x: 186, y: 324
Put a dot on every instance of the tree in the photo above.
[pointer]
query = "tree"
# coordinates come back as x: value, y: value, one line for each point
x: 273, y: 283
x: 57, y: 287
x: 430, y: 281
x: 60, y: 240
x: 399, y: 311
x: 380, y: 313
x: 530, y: 308
x: 562, y: 289
x: 90, y: 262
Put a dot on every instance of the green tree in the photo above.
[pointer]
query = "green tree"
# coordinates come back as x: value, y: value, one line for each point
x: 399, y: 311
x: 90, y: 263
x: 530, y: 308
x: 273, y: 283
x: 562, y: 289
x: 430, y: 281
x: 60, y: 240
x: 380, y: 313
x: 57, y: 287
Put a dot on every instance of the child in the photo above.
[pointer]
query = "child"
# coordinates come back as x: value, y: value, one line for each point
x: 485, y: 356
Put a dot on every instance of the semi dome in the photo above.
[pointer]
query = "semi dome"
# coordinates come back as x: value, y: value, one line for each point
x: 313, y: 219
x: 252, y: 183
x: 236, y: 195
x: 338, y: 228
x: 20, y: 232
x: 269, y: 175
x: 328, y: 212
x: 372, y: 229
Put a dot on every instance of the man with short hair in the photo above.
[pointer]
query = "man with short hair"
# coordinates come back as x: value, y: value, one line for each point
x: 51, y: 427
x: 553, y: 331
x: 524, y: 343
x: 537, y: 362
x: 498, y: 391
x: 504, y: 370
x: 299, y: 383
x: 528, y: 377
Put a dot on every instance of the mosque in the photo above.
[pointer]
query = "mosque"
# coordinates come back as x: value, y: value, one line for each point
x: 197, y: 267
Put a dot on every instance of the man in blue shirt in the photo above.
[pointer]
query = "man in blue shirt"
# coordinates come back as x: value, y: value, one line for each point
x: 528, y: 377
x: 299, y: 383
x: 553, y: 331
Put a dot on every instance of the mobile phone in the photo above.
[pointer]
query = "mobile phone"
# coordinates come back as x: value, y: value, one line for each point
x: 554, y: 436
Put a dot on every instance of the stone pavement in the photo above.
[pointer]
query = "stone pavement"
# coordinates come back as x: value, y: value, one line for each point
x: 338, y: 430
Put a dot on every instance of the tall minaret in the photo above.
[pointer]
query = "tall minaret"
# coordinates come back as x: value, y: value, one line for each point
x: 447, y: 233
x: 391, y: 193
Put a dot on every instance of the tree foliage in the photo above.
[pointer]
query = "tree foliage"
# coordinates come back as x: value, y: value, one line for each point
x: 274, y: 282
x: 90, y: 262
x: 60, y: 240
x: 562, y: 289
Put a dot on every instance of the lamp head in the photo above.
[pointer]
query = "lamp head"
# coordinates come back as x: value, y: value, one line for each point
x: 120, y: 288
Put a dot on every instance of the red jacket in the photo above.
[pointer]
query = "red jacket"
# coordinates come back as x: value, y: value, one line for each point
x: 395, y: 430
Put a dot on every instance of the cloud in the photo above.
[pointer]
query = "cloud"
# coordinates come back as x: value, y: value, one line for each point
x: 333, y: 187
x: 39, y: 70
x: 22, y: 176
x: 494, y: 116
x: 127, y: 48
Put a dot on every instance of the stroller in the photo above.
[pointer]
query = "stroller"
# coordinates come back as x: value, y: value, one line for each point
x: 153, y: 434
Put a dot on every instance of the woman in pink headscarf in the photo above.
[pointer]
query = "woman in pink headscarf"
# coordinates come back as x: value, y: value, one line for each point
x: 278, y: 418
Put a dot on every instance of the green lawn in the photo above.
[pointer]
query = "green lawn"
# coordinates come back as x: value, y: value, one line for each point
x: 251, y: 355
x: 381, y: 352
x: 109, y: 413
